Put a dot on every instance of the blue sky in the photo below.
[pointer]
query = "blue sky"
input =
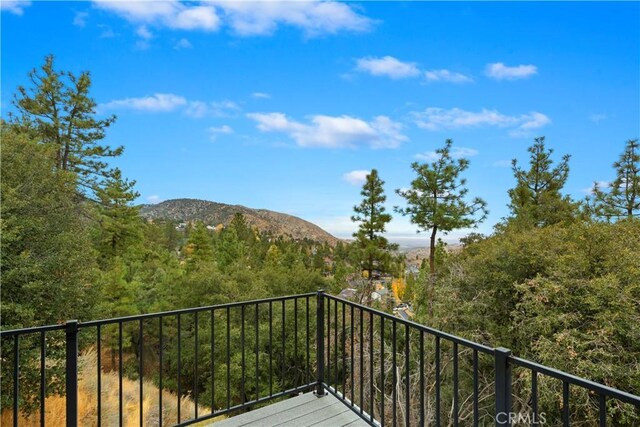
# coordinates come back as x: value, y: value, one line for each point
x: 283, y: 105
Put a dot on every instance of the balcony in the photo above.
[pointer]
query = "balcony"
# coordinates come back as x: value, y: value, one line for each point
x: 310, y: 359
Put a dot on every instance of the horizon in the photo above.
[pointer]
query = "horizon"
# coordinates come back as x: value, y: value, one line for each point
x: 266, y: 108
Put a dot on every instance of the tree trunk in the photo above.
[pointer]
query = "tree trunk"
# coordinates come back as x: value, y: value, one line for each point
x: 432, y: 269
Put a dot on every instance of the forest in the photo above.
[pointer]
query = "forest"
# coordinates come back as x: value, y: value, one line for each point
x: 557, y: 281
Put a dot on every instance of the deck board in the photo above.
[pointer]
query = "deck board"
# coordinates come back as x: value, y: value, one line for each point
x: 305, y: 410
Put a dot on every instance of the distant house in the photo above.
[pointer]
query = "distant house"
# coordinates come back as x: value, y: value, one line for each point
x: 348, y: 293
x: 379, y: 294
x: 182, y: 226
x: 211, y: 228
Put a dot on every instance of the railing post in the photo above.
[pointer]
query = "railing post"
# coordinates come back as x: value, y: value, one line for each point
x: 503, y: 386
x: 320, y: 341
x: 72, y: 373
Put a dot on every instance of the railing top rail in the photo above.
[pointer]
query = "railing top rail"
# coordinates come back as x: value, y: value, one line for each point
x: 32, y: 330
x: 572, y: 379
x: 91, y: 323
x: 480, y: 347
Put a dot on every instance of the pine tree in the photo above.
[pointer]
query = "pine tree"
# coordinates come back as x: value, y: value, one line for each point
x: 120, y: 223
x: 57, y: 110
x: 436, y: 199
x: 199, y: 246
x: 623, y: 196
x: 436, y: 203
x: 536, y: 200
x: 373, y: 247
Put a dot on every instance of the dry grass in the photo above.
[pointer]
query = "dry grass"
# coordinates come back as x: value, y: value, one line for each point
x: 87, y: 402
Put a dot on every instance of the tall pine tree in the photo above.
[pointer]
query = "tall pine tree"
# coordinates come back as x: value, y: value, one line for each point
x: 536, y: 200
x: 622, y: 198
x: 372, y: 247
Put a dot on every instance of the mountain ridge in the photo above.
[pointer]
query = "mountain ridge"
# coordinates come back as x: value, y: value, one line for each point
x: 214, y: 213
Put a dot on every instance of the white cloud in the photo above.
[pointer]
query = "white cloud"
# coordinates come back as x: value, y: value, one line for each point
x: 168, y: 102
x: 356, y: 177
x: 446, y: 76
x: 171, y: 14
x: 387, y: 66
x: 80, y: 19
x: 334, y: 131
x: 144, y: 33
x: 455, y: 153
x: 215, y: 131
x: 244, y: 18
x: 435, y: 119
x: 499, y: 71
x: 14, y: 6
x: 261, y: 95
x: 183, y: 44
x: 602, y: 185
x: 157, y: 103
x: 154, y: 199
x: 314, y: 18
x: 597, y: 118
x: 200, y: 109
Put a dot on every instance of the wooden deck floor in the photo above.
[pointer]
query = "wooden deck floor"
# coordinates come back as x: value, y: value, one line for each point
x: 301, y: 411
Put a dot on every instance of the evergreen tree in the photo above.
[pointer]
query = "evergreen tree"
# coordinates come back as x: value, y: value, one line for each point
x: 436, y: 199
x: 58, y: 111
x: 436, y: 203
x: 373, y: 247
x: 120, y: 223
x: 48, y: 264
x: 623, y: 196
x: 536, y: 200
x: 199, y: 247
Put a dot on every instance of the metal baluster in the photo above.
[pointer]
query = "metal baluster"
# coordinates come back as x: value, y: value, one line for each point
x: 422, y: 417
x: 99, y: 375
x: 328, y: 365
x: 407, y: 360
x: 16, y: 377
x: 195, y: 356
x: 270, y: 348
x: 120, y: 403
x: 361, y: 360
x: 140, y: 369
x: 371, y: 389
x: 228, y: 358
x: 476, y: 412
x: 43, y: 379
x: 213, y: 363
x: 242, y: 364
x: 160, y: 364
x: 381, y: 371
x: 602, y: 408
x: 394, y: 365
x: 284, y: 385
x: 335, y: 343
x: 257, y: 354
x: 437, y: 381
x: 307, y: 364
x: 295, y: 342
x: 534, y: 397
x: 179, y: 364
x: 353, y: 386
x: 455, y: 384
x: 344, y: 353
x: 565, y: 403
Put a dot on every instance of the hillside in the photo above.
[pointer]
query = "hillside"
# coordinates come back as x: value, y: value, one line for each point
x: 213, y: 213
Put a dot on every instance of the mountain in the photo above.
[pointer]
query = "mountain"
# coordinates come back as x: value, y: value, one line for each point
x: 212, y: 213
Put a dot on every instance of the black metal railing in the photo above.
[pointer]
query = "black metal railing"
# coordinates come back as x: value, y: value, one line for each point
x: 233, y: 357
